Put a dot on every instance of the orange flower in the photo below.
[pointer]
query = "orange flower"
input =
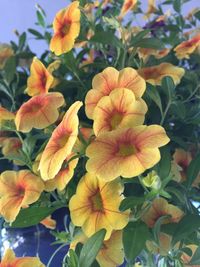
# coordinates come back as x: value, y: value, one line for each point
x: 145, y: 53
x: 40, y: 80
x: 110, y: 79
x: 118, y: 110
x: 185, y: 49
x: 10, y: 260
x: 161, y: 207
x: 182, y: 158
x: 5, y: 115
x: 5, y: 53
x: 127, y: 5
x: 163, y: 247
x: 60, y: 144
x: 39, y: 112
x: 11, y: 148
x: 92, y: 208
x: 125, y: 152
x: 17, y: 190
x: 66, y: 26
x: 155, y: 74
x: 186, y: 258
x: 151, y: 9
x: 49, y: 223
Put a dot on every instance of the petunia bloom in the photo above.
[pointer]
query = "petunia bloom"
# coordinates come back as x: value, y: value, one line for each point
x: 151, y: 9
x: 155, y: 74
x: 160, y: 207
x: 118, y: 110
x: 182, y: 158
x: 40, y: 79
x: 39, y: 112
x: 127, y: 5
x: 5, y: 53
x: 92, y: 208
x: 11, y: 147
x: 66, y: 27
x: 10, y: 260
x: 110, y: 79
x: 60, y: 144
x: 186, y: 48
x: 163, y: 247
x: 125, y: 152
x: 5, y: 115
x: 17, y: 190
x: 145, y: 53
x: 187, y: 258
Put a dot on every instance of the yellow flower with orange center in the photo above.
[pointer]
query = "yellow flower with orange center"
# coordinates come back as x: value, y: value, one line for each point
x: 11, y: 147
x: 160, y: 207
x: 5, y: 115
x: 145, y: 53
x: 66, y: 27
x: 127, y: 5
x: 60, y: 144
x: 125, y: 152
x: 10, y: 260
x: 5, y: 52
x: 186, y: 48
x: 155, y: 74
x: 110, y: 79
x: 40, y: 80
x: 18, y: 190
x: 182, y: 158
x: 93, y: 208
x: 118, y: 110
x: 39, y: 112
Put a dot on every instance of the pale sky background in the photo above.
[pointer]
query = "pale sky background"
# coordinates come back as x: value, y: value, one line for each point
x: 20, y: 15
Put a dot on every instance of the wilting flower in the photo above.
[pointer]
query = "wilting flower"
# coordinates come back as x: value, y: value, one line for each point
x: 66, y: 27
x: 11, y: 147
x: 110, y: 79
x: 5, y: 52
x: 118, y: 110
x: 40, y: 80
x: 39, y: 112
x: 145, y: 53
x: 155, y: 74
x: 163, y: 247
x: 10, y: 260
x: 93, y: 208
x: 49, y: 223
x: 160, y: 207
x: 125, y: 152
x: 186, y: 48
x: 111, y: 253
x: 60, y: 144
x: 182, y: 158
x: 5, y: 115
x: 18, y: 190
x: 127, y: 5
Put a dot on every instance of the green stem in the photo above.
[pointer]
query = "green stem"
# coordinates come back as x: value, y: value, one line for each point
x: 54, y: 254
x: 165, y: 113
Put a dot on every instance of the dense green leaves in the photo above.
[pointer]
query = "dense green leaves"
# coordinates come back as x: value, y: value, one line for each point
x: 193, y: 170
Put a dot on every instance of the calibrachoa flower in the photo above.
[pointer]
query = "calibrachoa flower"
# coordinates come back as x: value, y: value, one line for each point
x: 118, y: 110
x: 127, y: 5
x: 110, y: 79
x: 11, y: 148
x: 125, y: 152
x: 186, y: 48
x: 160, y: 207
x: 186, y: 258
x: 5, y: 115
x: 39, y: 112
x: 49, y: 223
x: 163, y: 247
x: 60, y: 144
x: 155, y: 74
x: 5, y: 52
x: 10, y: 260
x: 93, y: 208
x: 18, y: 190
x: 66, y: 27
x: 151, y: 9
x: 40, y: 80
x: 145, y: 53
x: 182, y: 158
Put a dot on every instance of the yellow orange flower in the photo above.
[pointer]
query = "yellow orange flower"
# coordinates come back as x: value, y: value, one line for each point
x: 5, y: 115
x: 49, y: 223
x: 151, y: 9
x: 118, y: 110
x: 125, y: 152
x: 66, y: 27
x: 186, y: 258
x: 10, y: 260
x: 152, y: 180
x: 11, y: 148
x: 111, y: 253
x: 163, y: 247
x: 17, y: 190
x: 127, y: 5
x: 186, y: 48
x: 110, y: 79
x: 155, y: 74
x: 145, y: 53
x: 160, y: 207
x: 40, y: 79
x: 182, y: 158
x: 60, y: 144
x: 5, y: 52
x: 92, y: 208
x: 39, y: 112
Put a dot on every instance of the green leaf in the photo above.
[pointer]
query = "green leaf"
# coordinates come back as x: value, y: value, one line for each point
x: 91, y: 248
x: 135, y: 235
x: 106, y: 38
x: 196, y: 257
x: 140, y: 36
x: 22, y: 41
x: 130, y: 202
x: 193, y: 170
x: 36, y: 34
x: 10, y: 68
x: 149, y: 43
x: 72, y: 260
x: 177, y: 5
x: 152, y: 92
x: 197, y: 15
x: 168, y: 86
x: 164, y: 166
x: 32, y: 216
x: 156, y: 229
x: 40, y: 18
